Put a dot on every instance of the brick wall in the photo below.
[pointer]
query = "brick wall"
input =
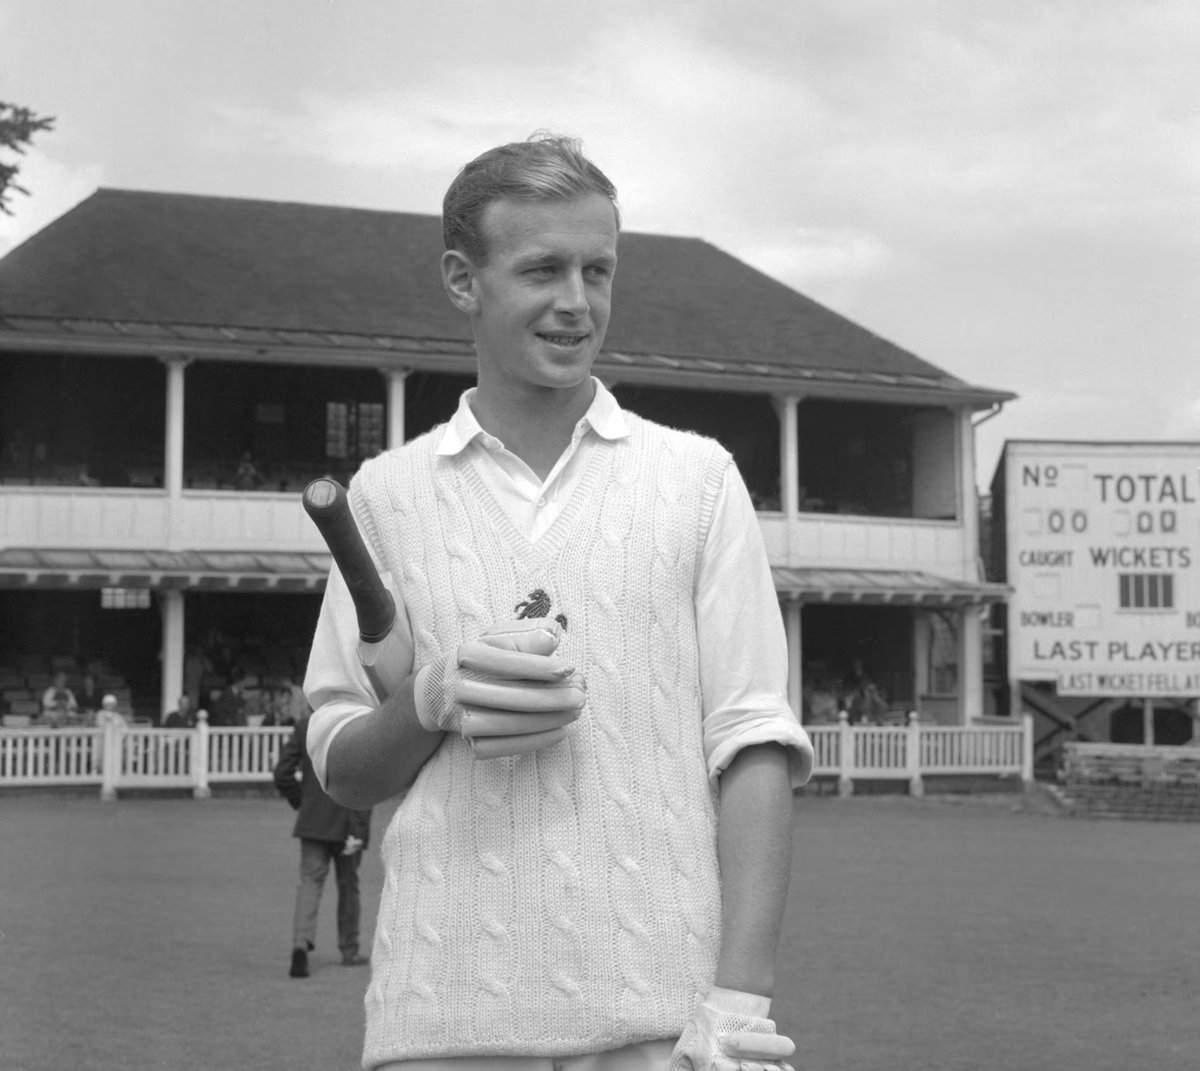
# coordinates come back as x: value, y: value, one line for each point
x: 1114, y: 781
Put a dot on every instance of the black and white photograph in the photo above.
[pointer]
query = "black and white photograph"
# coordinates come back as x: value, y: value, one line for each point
x: 654, y: 536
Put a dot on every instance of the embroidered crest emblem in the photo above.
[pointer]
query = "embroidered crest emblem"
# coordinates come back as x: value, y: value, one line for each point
x: 537, y: 604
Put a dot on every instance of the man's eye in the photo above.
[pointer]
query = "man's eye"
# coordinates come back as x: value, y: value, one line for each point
x: 541, y: 269
x: 598, y: 271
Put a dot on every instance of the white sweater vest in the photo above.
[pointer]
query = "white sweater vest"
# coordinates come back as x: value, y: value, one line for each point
x: 565, y: 901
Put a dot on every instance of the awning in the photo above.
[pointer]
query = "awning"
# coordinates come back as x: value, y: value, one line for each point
x: 895, y: 587
x: 22, y: 567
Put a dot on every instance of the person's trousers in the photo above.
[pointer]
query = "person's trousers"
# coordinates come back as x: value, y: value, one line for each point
x: 645, y: 1056
x: 314, y: 866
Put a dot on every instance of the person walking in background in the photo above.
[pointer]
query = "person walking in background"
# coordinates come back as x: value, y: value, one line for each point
x: 327, y: 832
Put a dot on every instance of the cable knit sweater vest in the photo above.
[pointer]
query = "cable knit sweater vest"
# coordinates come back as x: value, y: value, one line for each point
x: 565, y: 901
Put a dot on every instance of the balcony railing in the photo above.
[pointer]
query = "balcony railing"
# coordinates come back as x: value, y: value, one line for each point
x: 837, y: 541
x: 149, y: 519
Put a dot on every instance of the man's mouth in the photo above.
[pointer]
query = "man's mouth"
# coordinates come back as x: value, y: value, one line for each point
x: 562, y: 340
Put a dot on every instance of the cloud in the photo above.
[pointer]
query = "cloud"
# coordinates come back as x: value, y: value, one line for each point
x: 53, y: 187
x: 972, y: 122
x: 941, y: 124
x: 1183, y: 419
x: 386, y: 132
x: 1080, y: 414
x: 814, y: 259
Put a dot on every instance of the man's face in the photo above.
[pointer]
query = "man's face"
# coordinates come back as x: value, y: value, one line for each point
x: 543, y: 296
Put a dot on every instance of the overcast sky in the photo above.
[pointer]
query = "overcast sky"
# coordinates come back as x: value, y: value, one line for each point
x: 1008, y: 188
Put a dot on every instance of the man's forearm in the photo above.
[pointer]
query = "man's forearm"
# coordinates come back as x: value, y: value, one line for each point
x: 379, y: 755
x: 754, y: 847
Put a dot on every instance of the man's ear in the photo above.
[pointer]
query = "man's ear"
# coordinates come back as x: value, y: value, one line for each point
x: 458, y: 277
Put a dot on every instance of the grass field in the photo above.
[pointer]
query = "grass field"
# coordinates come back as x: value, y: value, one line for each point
x: 957, y: 933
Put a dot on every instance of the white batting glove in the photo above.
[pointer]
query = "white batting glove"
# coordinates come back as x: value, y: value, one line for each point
x: 730, y: 1031
x: 353, y: 844
x: 504, y: 692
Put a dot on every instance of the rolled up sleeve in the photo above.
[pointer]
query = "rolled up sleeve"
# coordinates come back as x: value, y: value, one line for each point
x: 742, y: 645
x: 336, y: 684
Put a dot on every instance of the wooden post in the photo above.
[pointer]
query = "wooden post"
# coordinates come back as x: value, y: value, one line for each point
x: 1027, y: 749
x: 786, y: 408
x: 199, y: 754
x: 791, y: 627
x: 846, y: 755
x: 970, y: 664
x: 395, y: 378
x: 173, y: 446
x: 912, y: 755
x: 110, y: 760
x: 171, y: 605
x: 789, y: 454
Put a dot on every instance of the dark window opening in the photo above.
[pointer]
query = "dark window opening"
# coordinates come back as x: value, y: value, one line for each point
x: 745, y: 424
x: 876, y: 460
x: 1173, y: 727
x: 82, y: 421
x: 269, y: 428
x: 858, y: 659
x: 430, y: 398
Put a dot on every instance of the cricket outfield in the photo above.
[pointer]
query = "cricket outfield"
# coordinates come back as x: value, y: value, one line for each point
x: 961, y: 933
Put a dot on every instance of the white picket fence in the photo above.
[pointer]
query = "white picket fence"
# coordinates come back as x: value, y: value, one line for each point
x: 918, y: 750
x: 117, y: 757
x: 135, y: 757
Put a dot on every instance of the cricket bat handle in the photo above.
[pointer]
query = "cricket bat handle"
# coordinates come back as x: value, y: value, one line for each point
x: 326, y: 502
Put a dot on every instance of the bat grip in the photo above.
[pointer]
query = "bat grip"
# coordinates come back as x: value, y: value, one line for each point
x: 326, y: 502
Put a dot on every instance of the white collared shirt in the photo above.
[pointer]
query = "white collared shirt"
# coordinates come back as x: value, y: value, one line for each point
x: 532, y: 504
x: 743, y: 650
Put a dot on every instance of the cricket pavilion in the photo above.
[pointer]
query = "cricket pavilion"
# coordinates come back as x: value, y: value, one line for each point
x: 174, y: 369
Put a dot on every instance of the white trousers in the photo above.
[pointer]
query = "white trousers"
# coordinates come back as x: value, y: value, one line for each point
x: 645, y: 1056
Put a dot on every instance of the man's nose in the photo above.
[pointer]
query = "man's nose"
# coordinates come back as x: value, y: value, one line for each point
x: 572, y: 294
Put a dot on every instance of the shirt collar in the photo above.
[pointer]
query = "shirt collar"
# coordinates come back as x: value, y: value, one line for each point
x: 604, y: 416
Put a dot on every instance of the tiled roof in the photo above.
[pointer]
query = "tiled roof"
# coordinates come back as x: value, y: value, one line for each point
x: 138, y: 267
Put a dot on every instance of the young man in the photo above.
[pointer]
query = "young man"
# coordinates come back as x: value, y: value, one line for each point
x: 586, y: 596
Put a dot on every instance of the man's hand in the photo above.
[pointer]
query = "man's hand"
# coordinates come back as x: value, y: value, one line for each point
x: 353, y: 844
x: 731, y: 1032
x: 505, y: 692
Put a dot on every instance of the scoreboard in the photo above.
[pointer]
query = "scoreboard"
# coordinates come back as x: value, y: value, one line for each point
x: 1102, y: 550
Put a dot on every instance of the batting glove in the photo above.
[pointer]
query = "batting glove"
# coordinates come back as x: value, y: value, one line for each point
x: 730, y: 1031
x: 505, y: 692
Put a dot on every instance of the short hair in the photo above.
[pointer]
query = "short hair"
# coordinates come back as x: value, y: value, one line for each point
x: 543, y: 167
